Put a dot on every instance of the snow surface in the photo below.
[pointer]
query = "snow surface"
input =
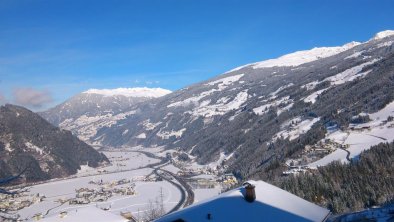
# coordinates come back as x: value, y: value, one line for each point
x: 383, y: 34
x: 263, y: 109
x: 34, y: 147
x: 141, y: 136
x: 300, y: 57
x: 337, y: 155
x: 195, y: 100
x: 8, y: 147
x: 87, y: 126
x: 271, y: 204
x: 350, y: 74
x: 87, y: 214
x: 340, y: 78
x: 126, y: 161
x: 297, y: 129
x: 358, y: 141
x: 131, y: 92
x: 171, y: 168
x: 312, y: 97
x: 305, y: 56
x: 286, y: 108
x: 310, y: 85
x: 274, y: 94
x: 384, y: 44
x: 222, y: 106
x: 203, y: 194
x: 224, y: 82
x: 148, y: 125
x: 136, y: 204
x: 167, y: 134
x: 355, y: 55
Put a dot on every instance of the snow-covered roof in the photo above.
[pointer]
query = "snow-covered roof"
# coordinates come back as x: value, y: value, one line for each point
x: 271, y: 204
x: 86, y: 214
x: 131, y: 92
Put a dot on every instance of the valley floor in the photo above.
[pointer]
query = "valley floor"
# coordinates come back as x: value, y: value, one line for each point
x: 130, y: 170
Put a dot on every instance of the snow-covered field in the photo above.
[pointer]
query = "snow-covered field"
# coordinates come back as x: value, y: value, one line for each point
x: 121, y: 161
x: 146, y: 191
x: 132, y: 164
x: 203, y: 194
x: 362, y: 136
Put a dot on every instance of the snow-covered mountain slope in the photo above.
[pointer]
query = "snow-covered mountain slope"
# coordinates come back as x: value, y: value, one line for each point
x: 138, y: 92
x: 305, y: 56
x: 253, y: 118
x: 93, y: 109
x: 301, y: 57
x: 27, y: 140
x: 271, y: 204
x: 383, y: 34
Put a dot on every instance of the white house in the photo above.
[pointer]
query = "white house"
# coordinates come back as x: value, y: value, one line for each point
x: 258, y: 201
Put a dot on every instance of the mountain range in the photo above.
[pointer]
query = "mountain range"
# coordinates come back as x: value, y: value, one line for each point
x: 252, y: 118
x: 93, y: 109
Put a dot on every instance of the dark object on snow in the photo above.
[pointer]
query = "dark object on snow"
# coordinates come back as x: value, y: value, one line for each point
x: 250, y: 194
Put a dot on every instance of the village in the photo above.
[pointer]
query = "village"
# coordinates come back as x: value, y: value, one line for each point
x: 310, y: 154
x: 102, y: 193
x: 83, y: 196
x: 18, y: 201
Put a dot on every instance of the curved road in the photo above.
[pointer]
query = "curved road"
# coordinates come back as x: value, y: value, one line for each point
x: 185, y: 201
x: 187, y: 194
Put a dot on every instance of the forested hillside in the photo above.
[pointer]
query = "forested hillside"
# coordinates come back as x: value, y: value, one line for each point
x: 365, y: 182
x: 28, y: 141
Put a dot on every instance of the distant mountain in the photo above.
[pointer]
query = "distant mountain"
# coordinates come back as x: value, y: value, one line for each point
x: 255, y: 117
x: 91, y: 110
x: 27, y: 140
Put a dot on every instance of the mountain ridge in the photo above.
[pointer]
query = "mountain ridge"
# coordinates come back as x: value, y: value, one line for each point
x: 237, y: 114
x: 27, y: 140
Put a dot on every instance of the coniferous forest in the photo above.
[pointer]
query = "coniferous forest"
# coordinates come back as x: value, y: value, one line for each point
x: 365, y: 182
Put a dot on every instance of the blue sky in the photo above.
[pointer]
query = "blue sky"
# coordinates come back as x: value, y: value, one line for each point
x: 53, y: 49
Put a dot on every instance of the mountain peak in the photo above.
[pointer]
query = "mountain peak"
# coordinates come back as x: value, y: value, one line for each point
x: 383, y: 34
x: 131, y: 92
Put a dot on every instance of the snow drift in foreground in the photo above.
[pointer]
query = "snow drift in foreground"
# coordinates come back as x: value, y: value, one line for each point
x: 271, y: 204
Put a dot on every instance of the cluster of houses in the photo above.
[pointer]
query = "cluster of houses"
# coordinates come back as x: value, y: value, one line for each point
x: 111, y: 184
x: 103, y: 193
x: 9, y: 203
x: 312, y: 153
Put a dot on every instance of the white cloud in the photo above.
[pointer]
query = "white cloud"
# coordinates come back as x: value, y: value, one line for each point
x: 31, y: 97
